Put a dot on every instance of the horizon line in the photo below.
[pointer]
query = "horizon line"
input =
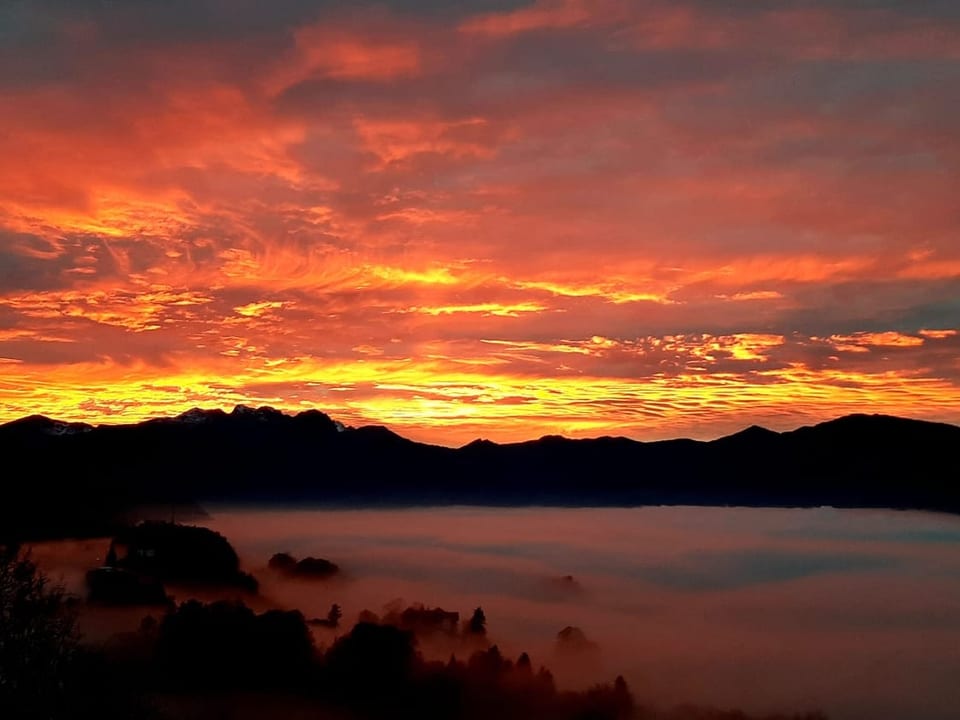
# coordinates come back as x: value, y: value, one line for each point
x: 346, y: 428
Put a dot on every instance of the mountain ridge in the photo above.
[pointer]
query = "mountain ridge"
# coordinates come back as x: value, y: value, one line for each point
x: 264, y: 413
x: 81, y: 475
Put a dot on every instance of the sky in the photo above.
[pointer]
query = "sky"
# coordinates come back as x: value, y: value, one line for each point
x: 496, y: 219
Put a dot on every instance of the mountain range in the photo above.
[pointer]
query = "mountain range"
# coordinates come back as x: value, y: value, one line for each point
x: 72, y: 478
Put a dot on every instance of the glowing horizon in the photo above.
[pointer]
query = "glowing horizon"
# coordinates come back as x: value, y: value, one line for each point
x: 503, y: 220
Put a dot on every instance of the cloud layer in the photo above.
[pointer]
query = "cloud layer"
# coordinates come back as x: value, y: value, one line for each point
x: 499, y: 219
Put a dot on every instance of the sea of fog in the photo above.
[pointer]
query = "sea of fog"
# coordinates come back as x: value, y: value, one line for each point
x: 856, y: 613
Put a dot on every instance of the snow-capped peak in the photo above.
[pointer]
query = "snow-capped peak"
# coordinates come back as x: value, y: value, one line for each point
x: 196, y: 416
x: 261, y: 413
x: 58, y: 427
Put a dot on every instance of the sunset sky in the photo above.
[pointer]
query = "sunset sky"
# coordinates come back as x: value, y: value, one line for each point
x: 495, y: 218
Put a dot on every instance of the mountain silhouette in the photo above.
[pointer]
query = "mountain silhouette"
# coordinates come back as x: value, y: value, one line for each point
x: 75, y: 477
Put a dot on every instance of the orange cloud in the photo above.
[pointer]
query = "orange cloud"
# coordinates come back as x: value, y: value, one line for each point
x: 440, y: 400
x: 543, y: 15
x: 612, y: 292
x: 932, y: 269
x: 938, y: 334
x: 355, y: 60
x: 642, y: 218
x: 395, y: 141
x: 257, y: 309
x: 753, y: 295
x: 884, y: 339
x: 494, y: 309
x: 135, y: 311
x: 339, y: 51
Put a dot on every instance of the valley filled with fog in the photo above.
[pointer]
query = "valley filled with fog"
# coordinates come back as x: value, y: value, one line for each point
x: 856, y: 613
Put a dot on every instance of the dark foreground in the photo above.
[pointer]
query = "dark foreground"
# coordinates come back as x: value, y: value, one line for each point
x: 80, y: 479
x: 224, y: 660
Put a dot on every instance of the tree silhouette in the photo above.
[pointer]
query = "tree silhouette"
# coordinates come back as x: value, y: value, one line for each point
x: 38, y: 639
x: 478, y: 623
x: 333, y: 617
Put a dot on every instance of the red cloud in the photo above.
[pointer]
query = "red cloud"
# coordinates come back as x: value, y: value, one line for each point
x: 573, y: 217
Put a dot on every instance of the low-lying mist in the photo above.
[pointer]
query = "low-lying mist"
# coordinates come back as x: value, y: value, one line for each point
x: 853, y: 613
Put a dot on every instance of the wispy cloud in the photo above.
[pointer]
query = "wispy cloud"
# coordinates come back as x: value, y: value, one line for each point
x: 566, y: 216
